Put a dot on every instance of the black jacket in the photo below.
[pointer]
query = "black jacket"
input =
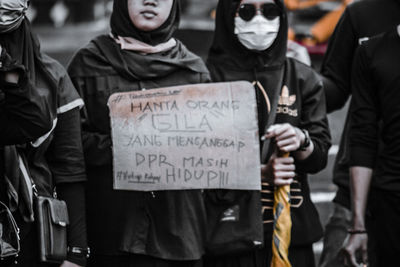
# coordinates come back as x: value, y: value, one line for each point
x: 301, y: 103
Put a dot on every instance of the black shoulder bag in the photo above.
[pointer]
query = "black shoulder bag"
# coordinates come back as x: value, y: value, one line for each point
x: 51, y: 216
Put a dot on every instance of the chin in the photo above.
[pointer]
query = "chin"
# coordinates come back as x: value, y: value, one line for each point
x: 146, y: 27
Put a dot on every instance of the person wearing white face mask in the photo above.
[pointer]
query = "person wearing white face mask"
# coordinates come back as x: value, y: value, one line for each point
x: 250, y: 43
x: 257, y: 31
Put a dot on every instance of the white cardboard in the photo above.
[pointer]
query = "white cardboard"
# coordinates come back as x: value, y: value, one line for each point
x: 199, y: 136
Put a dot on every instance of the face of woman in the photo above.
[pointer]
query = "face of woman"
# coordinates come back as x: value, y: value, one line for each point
x: 148, y: 15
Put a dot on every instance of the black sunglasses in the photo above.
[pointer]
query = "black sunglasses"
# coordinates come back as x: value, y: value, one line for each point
x: 248, y: 11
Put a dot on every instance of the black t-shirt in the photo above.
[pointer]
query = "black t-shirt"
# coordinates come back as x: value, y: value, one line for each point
x: 376, y: 94
x: 361, y: 20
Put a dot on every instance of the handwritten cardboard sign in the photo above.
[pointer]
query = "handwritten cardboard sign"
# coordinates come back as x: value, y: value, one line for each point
x: 186, y: 137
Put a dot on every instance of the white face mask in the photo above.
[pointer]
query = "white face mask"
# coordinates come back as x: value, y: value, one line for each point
x: 258, y: 33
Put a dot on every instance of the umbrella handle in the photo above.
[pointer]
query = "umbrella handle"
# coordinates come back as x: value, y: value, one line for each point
x: 283, y: 154
x: 282, y: 225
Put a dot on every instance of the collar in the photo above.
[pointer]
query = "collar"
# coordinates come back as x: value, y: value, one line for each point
x: 129, y: 43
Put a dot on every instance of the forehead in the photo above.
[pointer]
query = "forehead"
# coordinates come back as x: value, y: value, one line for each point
x: 257, y: 1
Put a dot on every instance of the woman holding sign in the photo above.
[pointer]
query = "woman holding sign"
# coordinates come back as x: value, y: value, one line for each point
x: 134, y: 228
x: 250, y: 44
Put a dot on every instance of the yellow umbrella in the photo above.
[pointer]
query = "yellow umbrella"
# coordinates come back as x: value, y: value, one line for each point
x: 282, y: 220
x: 282, y: 226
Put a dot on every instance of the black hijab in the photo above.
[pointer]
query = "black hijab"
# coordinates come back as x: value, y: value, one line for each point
x: 121, y: 24
x: 105, y: 57
x: 24, y: 49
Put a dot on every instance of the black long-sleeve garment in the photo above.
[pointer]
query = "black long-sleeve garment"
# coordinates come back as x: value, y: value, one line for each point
x: 24, y: 114
x: 133, y: 222
x: 362, y: 19
x: 376, y: 95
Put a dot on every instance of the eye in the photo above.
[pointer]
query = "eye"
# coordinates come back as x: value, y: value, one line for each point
x: 271, y: 11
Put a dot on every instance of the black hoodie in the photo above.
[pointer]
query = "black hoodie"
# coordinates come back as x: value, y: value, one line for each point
x: 301, y: 103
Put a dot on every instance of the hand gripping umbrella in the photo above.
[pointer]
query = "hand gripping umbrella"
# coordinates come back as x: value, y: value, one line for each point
x: 282, y: 221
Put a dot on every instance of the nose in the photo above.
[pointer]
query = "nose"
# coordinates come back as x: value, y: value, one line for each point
x: 150, y: 2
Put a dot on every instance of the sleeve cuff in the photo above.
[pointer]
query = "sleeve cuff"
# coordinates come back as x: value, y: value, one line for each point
x: 77, y: 259
x: 363, y: 157
x: 66, y: 179
x: 314, y: 163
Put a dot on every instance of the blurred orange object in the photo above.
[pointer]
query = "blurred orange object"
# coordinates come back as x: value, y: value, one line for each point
x: 323, y: 29
x: 291, y: 34
x: 299, y: 4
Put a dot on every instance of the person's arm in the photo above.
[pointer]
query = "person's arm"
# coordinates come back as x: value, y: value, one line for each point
x: 24, y: 114
x: 363, y: 151
x: 337, y: 63
x: 65, y: 158
x: 313, y: 119
x: 288, y: 138
x: 96, y: 145
x: 74, y: 195
x: 280, y: 170
x: 360, y: 179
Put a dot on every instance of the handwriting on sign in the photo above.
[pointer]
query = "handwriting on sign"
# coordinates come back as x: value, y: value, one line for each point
x: 182, y: 141
x: 187, y: 137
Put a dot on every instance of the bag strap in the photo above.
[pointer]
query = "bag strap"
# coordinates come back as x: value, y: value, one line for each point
x: 272, y: 115
x: 33, y: 192
x: 30, y: 184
